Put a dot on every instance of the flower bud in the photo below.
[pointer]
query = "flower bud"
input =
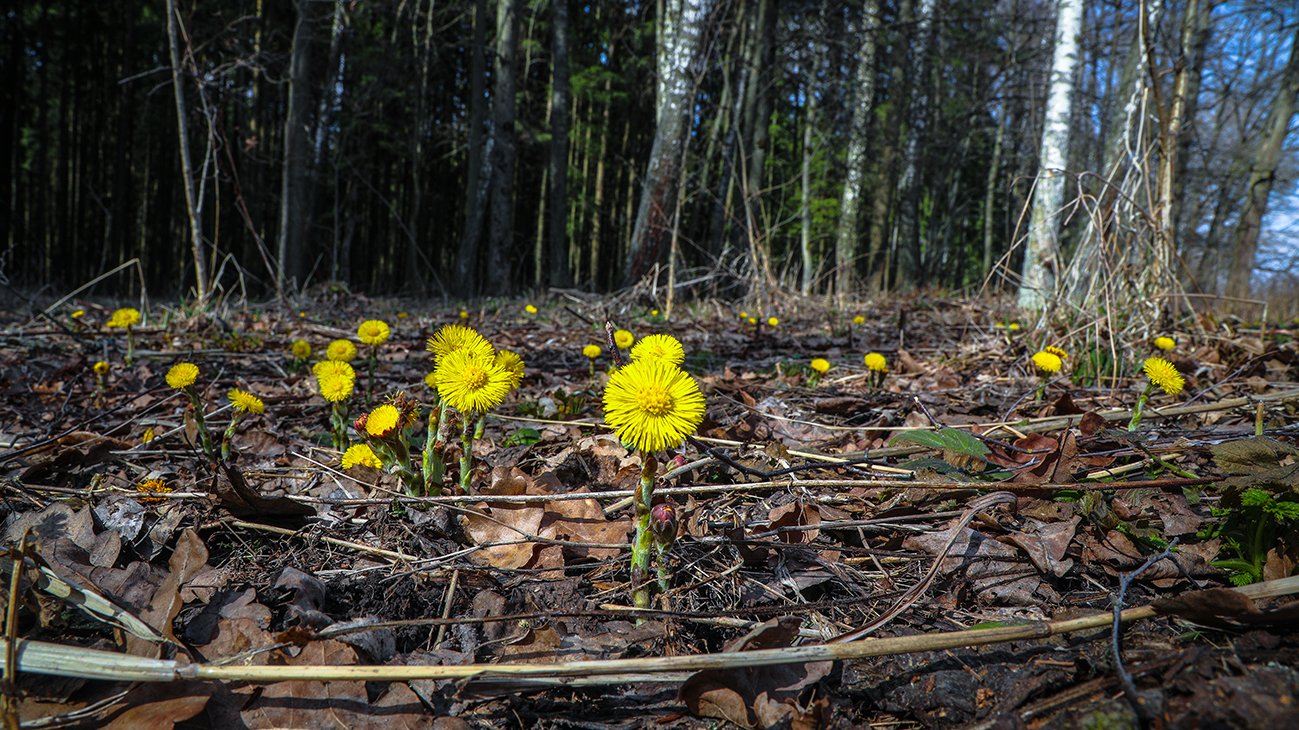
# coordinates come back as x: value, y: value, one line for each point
x: 663, y: 522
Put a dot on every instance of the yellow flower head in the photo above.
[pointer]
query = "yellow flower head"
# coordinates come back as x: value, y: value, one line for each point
x: 148, y: 435
x: 753, y: 320
x: 383, y: 420
x: 341, y: 351
x: 360, y: 455
x: 1162, y: 373
x: 859, y: 320
x: 182, y: 375
x: 512, y: 364
x: 744, y: 314
x: 530, y: 309
x: 336, y: 379
x: 464, y: 314
x: 1056, y: 351
x: 1165, y: 343
x: 652, y: 405
x: 1047, y: 362
x: 123, y: 318
x: 591, y: 351
x: 373, y: 332
x: 245, y: 402
x: 875, y: 361
x: 659, y: 347
x: 472, y: 382
x: 101, y: 368
x: 403, y: 314
x: 654, y: 312
x: 301, y: 349
x: 78, y: 313
x: 773, y: 322
x: 623, y: 339
x: 820, y: 365
x: 1013, y: 326
x: 453, y: 337
x: 431, y: 380
x: 150, y: 488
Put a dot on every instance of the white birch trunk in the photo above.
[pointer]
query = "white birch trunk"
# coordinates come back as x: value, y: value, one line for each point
x: 1041, y: 259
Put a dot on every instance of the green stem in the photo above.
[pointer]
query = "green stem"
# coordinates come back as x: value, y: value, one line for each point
x: 229, y: 435
x: 433, y: 463
x: 1141, y: 406
x: 338, y: 424
x: 373, y: 359
x: 642, y: 544
x: 480, y: 426
x: 130, y: 347
x: 466, y: 453
x: 204, y: 436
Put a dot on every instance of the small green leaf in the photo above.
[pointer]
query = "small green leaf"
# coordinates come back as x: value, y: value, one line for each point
x: 523, y: 437
x: 946, y: 439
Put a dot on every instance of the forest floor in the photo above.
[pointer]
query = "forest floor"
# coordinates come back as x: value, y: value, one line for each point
x: 804, y: 517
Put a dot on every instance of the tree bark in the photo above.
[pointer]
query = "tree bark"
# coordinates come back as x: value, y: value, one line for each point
x: 477, y: 160
x: 846, y: 235
x: 1261, y: 177
x: 678, y: 45
x: 500, y: 242
x: 908, y: 218
x: 291, y: 254
x: 559, y: 123
x: 1042, y: 255
x: 186, y: 164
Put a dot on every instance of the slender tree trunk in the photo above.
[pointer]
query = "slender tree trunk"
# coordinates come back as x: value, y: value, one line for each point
x: 805, y: 204
x: 678, y: 45
x: 186, y: 164
x: 846, y: 236
x: 478, y: 158
x: 990, y: 196
x: 909, y: 246
x: 559, y: 123
x: 1262, y: 175
x: 297, y: 145
x: 500, y: 242
x: 1042, y: 256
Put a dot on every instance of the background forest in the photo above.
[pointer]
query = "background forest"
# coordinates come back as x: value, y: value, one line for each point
x: 846, y: 147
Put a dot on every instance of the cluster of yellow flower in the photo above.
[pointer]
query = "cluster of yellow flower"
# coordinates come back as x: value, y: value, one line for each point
x: 469, y: 374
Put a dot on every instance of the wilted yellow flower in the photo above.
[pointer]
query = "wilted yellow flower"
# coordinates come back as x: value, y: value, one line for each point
x: 341, y: 351
x: 1165, y: 343
x: 382, y: 420
x: 592, y: 351
x: 652, y: 405
x: 361, y: 455
x: 453, y: 337
x: 182, y: 375
x: 123, y: 318
x: 149, y: 489
x: 471, y: 382
x: 512, y: 364
x: 859, y: 320
x: 659, y: 347
x: 1163, y: 374
x: 373, y: 332
x: 1047, y: 362
x: 1056, y: 351
x: 530, y: 309
x: 101, y: 368
x: 820, y: 365
x: 148, y: 435
x: 875, y: 361
x: 245, y: 402
x: 301, y: 349
x: 623, y: 339
x: 772, y: 322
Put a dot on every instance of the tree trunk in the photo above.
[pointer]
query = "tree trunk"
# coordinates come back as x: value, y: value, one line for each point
x: 1261, y: 177
x: 990, y: 195
x: 1042, y: 255
x: 186, y: 164
x: 559, y: 122
x: 908, y: 223
x: 846, y: 235
x: 500, y: 242
x: 805, y: 206
x: 291, y: 255
x: 678, y: 45
x: 477, y: 161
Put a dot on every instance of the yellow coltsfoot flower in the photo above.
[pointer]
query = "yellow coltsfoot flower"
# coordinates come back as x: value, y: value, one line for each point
x: 592, y: 351
x: 123, y: 318
x: 652, y: 405
x: 301, y: 349
x: 471, y: 382
x: 336, y: 380
x: 341, y: 351
x: 245, y: 402
x: 361, y: 455
x: 1056, y: 351
x: 659, y: 347
x: 623, y: 339
x: 1047, y: 362
x: 373, y: 332
x: 182, y: 375
x: 512, y: 364
x: 1165, y: 343
x: 876, y: 362
x: 383, y: 420
x: 1163, y: 374
x: 453, y: 337
x: 819, y: 365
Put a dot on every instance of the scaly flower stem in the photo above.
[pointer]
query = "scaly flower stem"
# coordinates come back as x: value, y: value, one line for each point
x: 130, y: 346
x: 338, y: 422
x: 642, y: 543
x: 466, y: 453
x: 370, y: 365
x: 480, y: 426
x: 434, y: 466
x: 1141, y: 406
x: 204, y: 436
x: 229, y: 434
